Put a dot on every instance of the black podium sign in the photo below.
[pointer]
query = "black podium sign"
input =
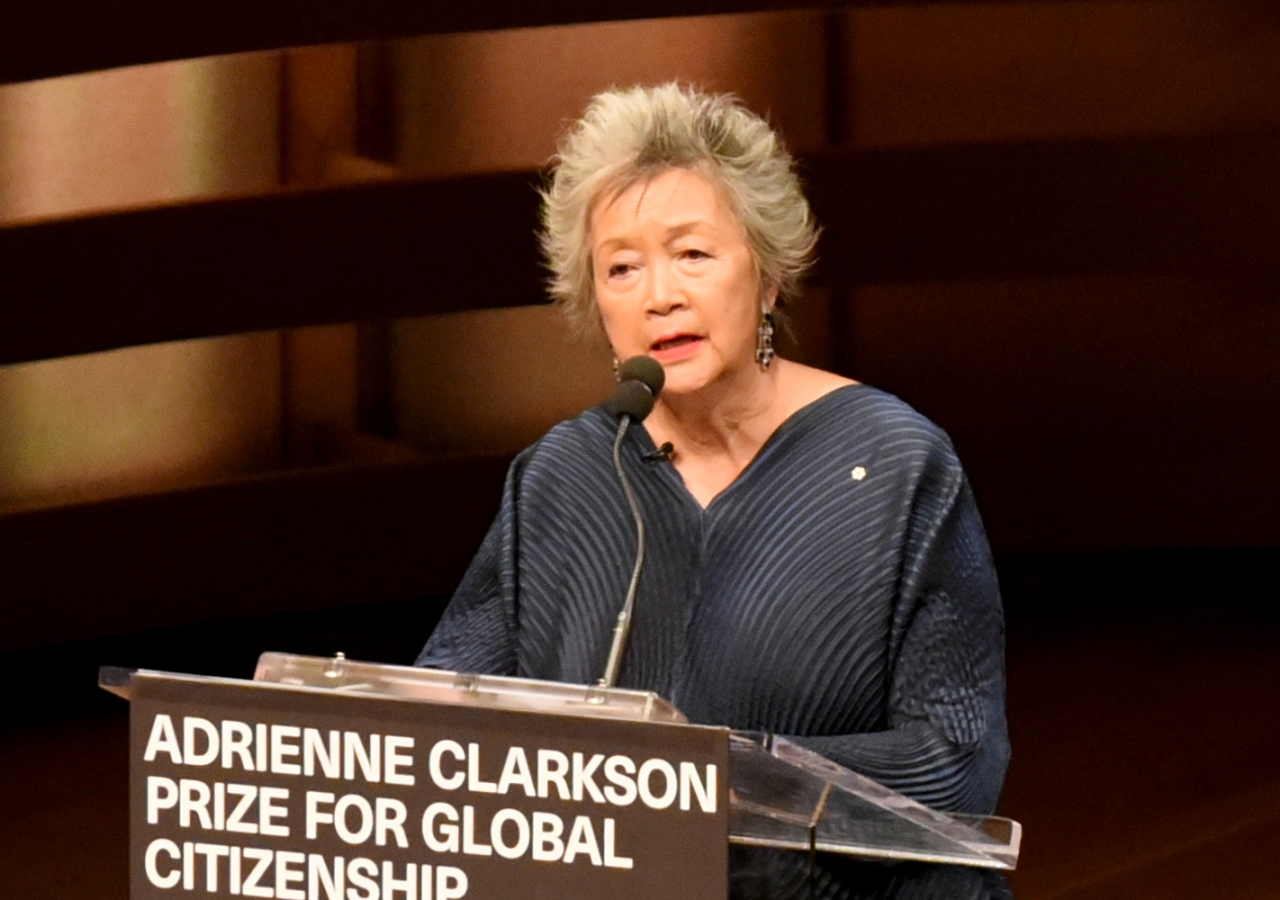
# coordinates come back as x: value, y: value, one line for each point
x: 242, y: 789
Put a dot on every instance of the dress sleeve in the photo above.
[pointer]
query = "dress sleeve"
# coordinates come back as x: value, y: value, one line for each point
x: 947, y: 742
x: 477, y: 632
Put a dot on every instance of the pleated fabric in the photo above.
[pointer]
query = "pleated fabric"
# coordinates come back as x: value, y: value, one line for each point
x: 840, y: 592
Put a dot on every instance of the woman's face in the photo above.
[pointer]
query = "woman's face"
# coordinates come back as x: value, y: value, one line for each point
x: 674, y: 280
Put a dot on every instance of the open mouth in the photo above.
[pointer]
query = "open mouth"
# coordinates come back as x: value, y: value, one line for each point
x: 671, y: 343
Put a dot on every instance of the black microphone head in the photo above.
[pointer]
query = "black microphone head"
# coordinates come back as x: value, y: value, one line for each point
x: 644, y: 369
x: 639, y: 380
x: 631, y: 398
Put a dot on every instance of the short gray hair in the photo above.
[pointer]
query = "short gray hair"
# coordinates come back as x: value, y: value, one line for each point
x: 626, y: 136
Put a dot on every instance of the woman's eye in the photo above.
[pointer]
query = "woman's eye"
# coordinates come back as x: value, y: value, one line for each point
x: 617, y: 270
x: 695, y: 253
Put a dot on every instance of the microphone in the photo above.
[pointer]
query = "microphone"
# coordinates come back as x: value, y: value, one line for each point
x: 639, y: 380
x: 662, y: 453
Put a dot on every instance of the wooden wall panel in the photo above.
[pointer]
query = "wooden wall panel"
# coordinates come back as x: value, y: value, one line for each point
x: 227, y: 266
x: 1202, y: 205
x: 57, y: 37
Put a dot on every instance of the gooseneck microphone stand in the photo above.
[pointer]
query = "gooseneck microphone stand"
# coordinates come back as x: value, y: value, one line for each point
x: 639, y: 381
x: 623, y: 627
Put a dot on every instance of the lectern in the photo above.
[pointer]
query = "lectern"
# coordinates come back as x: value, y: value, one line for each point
x: 330, y: 779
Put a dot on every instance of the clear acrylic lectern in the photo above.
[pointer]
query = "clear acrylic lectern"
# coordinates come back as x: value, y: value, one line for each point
x: 781, y: 795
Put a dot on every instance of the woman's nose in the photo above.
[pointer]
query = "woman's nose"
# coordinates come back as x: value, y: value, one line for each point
x: 663, y: 294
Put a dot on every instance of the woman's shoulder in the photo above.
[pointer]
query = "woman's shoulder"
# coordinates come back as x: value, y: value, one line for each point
x: 856, y: 404
x: 872, y: 407
x: 583, y: 439
x: 855, y: 418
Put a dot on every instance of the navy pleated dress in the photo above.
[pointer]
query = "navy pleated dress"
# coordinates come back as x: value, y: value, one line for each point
x: 840, y: 592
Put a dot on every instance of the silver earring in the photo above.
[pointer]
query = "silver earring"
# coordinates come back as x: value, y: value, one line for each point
x: 616, y: 367
x: 764, y: 342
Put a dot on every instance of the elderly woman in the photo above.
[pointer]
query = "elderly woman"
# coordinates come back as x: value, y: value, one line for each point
x: 815, y: 564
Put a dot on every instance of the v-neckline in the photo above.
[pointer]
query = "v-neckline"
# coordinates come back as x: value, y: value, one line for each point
x: 789, y: 424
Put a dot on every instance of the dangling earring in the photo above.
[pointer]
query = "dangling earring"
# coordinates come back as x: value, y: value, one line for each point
x: 616, y: 368
x: 764, y: 342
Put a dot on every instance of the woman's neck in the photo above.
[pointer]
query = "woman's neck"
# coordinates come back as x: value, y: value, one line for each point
x: 729, y: 421
x: 716, y: 435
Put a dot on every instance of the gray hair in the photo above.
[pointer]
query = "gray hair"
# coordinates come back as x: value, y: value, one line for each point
x: 630, y: 135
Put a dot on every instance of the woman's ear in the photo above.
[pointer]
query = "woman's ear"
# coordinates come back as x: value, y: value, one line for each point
x: 769, y: 299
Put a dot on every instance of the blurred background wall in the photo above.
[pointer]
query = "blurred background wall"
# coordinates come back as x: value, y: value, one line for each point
x: 139, y: 418
x: 1096, y: 410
